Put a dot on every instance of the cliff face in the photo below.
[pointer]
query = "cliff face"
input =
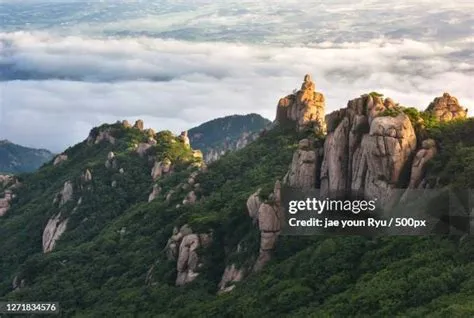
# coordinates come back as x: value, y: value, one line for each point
x: 370, y: 149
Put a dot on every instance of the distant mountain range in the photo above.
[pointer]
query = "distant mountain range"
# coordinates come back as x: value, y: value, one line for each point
x: 221, y: 135
x: 17, y: 159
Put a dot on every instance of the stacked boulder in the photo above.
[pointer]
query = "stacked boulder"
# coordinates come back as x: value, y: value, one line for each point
x: 182, y: 247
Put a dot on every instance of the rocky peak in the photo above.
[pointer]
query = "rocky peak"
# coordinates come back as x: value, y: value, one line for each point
x: 446, y: 108
x: 126, y: 124
x: 139, y: 125
x: 305, y: 107
x: 185, y: 139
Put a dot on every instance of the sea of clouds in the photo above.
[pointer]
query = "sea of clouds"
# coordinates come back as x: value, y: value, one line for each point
x: 66, y: 66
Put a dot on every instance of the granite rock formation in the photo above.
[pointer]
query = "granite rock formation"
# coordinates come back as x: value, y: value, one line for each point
x: 305, y: 107
x: 182, y: 247
x: 446, y: 108
x: 60, y: 158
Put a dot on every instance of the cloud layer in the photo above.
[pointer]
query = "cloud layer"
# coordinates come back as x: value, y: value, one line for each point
x: 55, y: 86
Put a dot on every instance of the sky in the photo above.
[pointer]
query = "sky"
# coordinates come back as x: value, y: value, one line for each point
x: 67, y: 66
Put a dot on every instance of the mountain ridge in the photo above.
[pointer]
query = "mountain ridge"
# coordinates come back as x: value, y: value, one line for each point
x: 15, y: 158
x: 228, y: 133
x: 150, y: 228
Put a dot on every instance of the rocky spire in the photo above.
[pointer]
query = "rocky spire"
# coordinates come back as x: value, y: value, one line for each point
x: 185, y: 139
x: 305, y: 107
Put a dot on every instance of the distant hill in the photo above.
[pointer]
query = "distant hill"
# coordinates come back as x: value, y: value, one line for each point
x: 16, y: 159
x: 218, y: 136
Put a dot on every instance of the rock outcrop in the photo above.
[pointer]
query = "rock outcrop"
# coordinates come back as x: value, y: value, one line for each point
x: 5, y: 202
x: 253, y: 204
x: 8, y: 184
x: 185, y: 139
x: 60, y: 158
x: 154, y: 193
x: 305, y: 107
x: 370, y: 149
x: 142, y: 148
x: 87, y: 176
x: 66, y: 193
x: 231, y: 275
x: 446, y: 108
x: 53, y: 231
x: 105, y: 135
x: 18, y: 283
x: 182, y: 247
x: 269, y: 216
x: 111, y: 161
x: 126, y: 124
x: 161, y: 168
x: 365, y: 153
x: 139, y: 125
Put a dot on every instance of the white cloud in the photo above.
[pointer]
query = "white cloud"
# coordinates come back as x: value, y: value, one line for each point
x: 55, y: 86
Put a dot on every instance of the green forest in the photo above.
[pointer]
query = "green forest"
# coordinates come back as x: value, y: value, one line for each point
x: 111, y: 261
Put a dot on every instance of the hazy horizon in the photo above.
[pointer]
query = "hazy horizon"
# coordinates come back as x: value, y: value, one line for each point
x: 66, y: 66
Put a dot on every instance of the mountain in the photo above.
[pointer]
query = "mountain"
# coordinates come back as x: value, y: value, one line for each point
x: 131, y: 222
x: 17, y: 159
x: 221, y: 135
